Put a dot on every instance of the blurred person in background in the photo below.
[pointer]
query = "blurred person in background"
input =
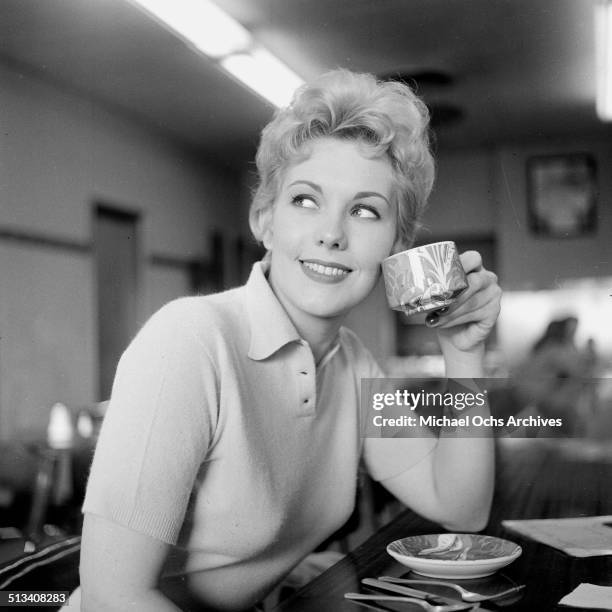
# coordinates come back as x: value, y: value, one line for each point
x: 554, y: 379
x: 558, y: 333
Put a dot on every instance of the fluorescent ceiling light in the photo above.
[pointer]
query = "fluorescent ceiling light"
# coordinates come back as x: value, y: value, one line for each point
x: 213, y: 32
x: 603, y: 59
x: 202, y: 23
x: 265, y: 74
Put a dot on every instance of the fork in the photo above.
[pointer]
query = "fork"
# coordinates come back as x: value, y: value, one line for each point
x: 466, y: 595
x: 357, y: 597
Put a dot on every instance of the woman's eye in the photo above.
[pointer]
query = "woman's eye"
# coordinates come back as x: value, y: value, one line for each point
x: 304, y: 201
x: 365, y: 212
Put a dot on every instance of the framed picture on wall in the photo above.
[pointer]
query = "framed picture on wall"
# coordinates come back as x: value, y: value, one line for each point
x: 562, y: 195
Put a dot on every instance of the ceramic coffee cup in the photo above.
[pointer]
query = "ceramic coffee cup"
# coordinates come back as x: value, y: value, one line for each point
x: 426, y: 278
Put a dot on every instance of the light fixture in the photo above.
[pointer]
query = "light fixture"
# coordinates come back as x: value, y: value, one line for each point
x: 264, y: 73
x: 205, y: 26
x: 603, y: 58
x: 202, y: 23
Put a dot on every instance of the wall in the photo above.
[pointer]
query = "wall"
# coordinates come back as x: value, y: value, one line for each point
x: 60, y: 154
x: 462, y: 201
x: 533, y: 262
x: 485, y: 192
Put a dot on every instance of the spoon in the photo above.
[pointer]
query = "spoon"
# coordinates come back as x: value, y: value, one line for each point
x: 466, y: 595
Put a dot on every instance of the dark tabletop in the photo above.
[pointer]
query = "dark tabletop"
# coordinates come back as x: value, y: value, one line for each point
x: 534, y: 481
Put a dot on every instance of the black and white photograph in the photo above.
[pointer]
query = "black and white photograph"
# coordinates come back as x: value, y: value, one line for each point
x: 305, y: 305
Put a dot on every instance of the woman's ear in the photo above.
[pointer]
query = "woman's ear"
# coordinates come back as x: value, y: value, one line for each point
x: 265, y: 225
x: 267, y: 238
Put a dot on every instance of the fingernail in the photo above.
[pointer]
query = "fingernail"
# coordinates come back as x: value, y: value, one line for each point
x: 432, y: 319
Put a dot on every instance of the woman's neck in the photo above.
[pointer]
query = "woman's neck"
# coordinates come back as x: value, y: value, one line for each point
x: 320, y: 338
x: 319, y: 332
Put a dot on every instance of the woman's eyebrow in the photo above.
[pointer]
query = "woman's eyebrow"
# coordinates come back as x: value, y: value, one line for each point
x: 370, y: 194
x: 358, y: 195
x: 312, y: 185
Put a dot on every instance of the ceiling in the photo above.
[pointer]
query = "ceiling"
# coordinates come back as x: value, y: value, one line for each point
x: 521, y: 69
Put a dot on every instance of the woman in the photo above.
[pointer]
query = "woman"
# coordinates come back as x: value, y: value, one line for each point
x: 231, y: 444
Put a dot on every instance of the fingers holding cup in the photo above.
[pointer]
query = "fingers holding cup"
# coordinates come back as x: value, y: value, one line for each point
x: 470, y: 321
x: 458, y: 295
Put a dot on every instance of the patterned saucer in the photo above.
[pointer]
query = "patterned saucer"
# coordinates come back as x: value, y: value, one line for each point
x: 454, y: 555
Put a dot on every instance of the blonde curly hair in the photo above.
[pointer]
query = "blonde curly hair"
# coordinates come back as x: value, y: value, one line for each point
x: 386, y: 116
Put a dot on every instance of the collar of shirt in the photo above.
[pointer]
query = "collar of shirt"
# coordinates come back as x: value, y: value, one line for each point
x: 270, y: 326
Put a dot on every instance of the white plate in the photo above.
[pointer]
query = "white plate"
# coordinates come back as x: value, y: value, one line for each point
x: 454, y: 555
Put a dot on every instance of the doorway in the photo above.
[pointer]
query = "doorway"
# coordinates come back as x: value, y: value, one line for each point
x: 116, y: 258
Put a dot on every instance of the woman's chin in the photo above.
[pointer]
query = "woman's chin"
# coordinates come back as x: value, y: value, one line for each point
x: 329, y: 311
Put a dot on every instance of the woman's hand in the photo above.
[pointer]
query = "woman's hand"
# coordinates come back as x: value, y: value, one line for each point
x: 468, y: 322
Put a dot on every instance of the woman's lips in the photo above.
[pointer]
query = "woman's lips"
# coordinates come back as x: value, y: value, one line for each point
x: 325, y: 272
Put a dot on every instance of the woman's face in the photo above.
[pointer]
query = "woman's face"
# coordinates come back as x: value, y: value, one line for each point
x: 332, y: 224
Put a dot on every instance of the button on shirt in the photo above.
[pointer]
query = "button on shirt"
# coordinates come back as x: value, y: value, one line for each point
x: 224, y: 440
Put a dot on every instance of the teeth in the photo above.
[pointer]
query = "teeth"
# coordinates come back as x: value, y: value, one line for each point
x: 327, y: 270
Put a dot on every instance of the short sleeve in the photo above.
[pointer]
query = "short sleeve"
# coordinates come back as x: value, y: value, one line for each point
x: 157, y: 429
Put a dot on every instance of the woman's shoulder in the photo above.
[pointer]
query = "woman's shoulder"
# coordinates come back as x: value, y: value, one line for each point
x: 200, y: 318
x: 201, y: 307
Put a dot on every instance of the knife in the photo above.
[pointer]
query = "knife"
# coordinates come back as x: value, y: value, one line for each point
x: 402, y: 599
x: 409, y: 592
x: 373, y: 605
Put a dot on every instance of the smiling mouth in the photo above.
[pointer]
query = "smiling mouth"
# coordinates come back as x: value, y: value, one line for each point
x: 333, y: 271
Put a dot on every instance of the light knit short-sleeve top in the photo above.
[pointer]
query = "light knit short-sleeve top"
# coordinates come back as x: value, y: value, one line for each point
x: 224, y: 440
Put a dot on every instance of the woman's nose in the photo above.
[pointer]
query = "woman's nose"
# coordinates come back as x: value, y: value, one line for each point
x: 332, y: 234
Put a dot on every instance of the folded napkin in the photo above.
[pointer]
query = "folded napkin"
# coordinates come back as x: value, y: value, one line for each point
x: 587, y: 595
x: 589, y: 536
